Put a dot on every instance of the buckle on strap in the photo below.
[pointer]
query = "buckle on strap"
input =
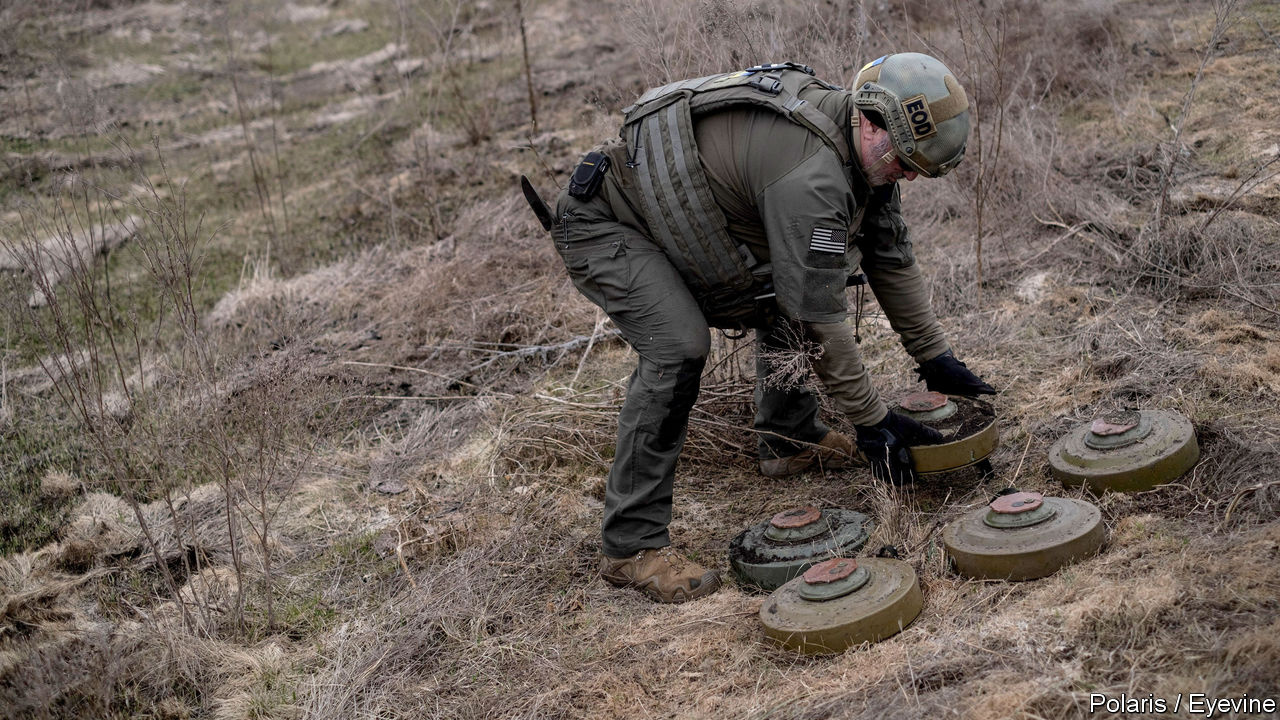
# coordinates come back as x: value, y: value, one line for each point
x: 770, y: 84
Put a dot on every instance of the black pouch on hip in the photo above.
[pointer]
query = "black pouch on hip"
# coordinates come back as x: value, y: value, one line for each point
x: 588, y: 176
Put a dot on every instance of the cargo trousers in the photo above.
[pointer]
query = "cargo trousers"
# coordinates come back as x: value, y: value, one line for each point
x: 627, y: 275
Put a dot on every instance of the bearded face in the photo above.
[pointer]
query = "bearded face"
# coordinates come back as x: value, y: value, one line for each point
x: 880, y: 163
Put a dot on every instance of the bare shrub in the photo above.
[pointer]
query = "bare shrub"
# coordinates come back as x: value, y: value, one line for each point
x: 791, y: 364
x: 148, y: 448
x: 272, y: 201
x: 450, y: 32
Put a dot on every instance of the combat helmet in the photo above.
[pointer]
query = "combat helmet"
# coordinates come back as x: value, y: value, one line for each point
x: 924, y: 108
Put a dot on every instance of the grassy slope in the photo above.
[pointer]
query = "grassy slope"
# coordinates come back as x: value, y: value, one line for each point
x: 385, y: 231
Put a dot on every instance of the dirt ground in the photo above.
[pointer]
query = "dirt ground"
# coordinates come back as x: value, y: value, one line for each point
x: 302, y: 418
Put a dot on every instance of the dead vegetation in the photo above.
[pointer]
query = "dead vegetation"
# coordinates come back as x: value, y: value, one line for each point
x: 324, y: 433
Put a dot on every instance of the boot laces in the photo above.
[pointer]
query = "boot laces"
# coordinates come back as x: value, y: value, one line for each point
x: 676, y: 562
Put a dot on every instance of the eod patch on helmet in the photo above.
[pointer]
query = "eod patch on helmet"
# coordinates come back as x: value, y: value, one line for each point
x: 917, y: 110
x: 926, y: 111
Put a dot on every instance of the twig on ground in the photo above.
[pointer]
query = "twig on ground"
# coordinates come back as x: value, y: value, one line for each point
x: 1241, y: 495
x: 715, y: 618
x: 595, y: 332
x: 1070, y: 232
x: 417, y: 370
x: 530, y: 350
x: 1240, y: 188
x: 1013, y: 482
x: 400, y: 543
x: 1231, y: 292
x: 610, y: 406
x: 912, y: 674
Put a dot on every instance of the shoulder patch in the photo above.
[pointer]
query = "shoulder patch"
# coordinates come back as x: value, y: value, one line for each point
x: 829, y: 240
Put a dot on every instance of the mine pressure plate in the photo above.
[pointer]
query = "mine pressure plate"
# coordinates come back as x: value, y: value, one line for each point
x: 772, y: 552
x: 1125, y: 452
x: 968, y: 427
x: 842, y: 602
x: 1022, y: 536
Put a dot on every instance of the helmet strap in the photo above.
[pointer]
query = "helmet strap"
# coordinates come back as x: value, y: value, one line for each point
x: 884, y: 160
x: 855, y: 122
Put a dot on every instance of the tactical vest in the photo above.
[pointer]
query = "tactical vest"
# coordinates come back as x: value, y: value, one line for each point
x: 676, y: 198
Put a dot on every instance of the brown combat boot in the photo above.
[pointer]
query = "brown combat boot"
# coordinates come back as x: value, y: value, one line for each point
x: 833, y: 452
x: 660, y: 574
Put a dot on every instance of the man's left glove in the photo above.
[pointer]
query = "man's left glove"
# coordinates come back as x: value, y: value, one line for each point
x: 887, y: 446
x: 947, y: 375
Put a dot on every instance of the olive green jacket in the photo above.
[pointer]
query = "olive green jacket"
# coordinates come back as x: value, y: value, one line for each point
x: 787, y: 196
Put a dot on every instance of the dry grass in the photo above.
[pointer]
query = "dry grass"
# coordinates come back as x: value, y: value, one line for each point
x: 367, y: 481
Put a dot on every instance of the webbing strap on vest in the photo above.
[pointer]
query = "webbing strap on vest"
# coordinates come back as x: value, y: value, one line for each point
x: 676, y: 197
x: 678, y: 203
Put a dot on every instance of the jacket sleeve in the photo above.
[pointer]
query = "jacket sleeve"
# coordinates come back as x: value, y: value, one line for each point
x: 845, y: 378
x: 806, y: 214
x: 890, y: 265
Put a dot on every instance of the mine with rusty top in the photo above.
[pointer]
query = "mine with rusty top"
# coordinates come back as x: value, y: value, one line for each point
x: 1022, y: 536
x: 968, y: 427
x: 770, y: 553
x: 1126, y: 451
x: 841, y: 603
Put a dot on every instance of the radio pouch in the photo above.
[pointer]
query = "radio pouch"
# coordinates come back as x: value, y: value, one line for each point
x: 588, y: 176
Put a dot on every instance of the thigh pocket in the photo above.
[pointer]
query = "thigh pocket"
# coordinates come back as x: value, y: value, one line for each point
x: 598, y: 268
x: 612, y: 275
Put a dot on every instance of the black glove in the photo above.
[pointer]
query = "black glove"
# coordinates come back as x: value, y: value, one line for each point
x: 887, y: 446
x: 947, y: 375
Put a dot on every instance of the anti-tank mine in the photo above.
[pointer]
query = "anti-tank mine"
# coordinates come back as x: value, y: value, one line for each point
x: 968, y: 428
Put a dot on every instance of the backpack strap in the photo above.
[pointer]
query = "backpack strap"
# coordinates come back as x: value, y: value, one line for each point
x: 676, y: 196
x: 679, y: 204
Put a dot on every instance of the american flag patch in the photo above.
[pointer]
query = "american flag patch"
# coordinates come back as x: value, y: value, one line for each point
x: 827, y: 240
